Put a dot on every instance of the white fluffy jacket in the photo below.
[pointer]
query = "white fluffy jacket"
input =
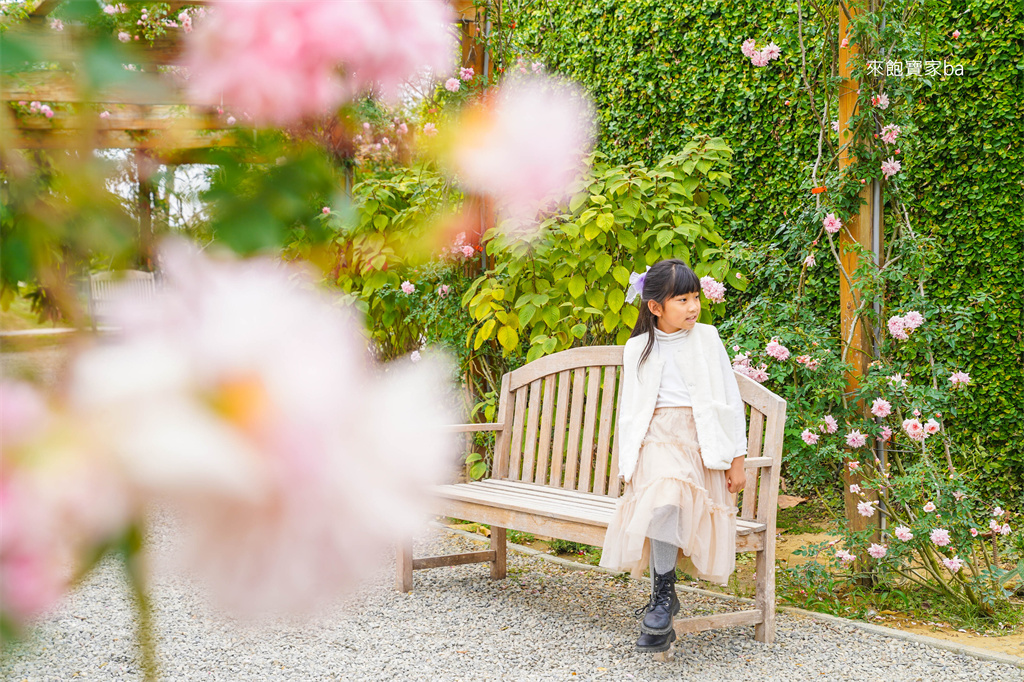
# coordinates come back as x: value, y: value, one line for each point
x: 719, y: 420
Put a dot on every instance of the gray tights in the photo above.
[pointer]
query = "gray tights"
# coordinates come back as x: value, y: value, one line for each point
x: 663, y: 556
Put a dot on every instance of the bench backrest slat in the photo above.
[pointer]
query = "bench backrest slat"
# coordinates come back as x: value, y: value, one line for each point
x: 561, y: 412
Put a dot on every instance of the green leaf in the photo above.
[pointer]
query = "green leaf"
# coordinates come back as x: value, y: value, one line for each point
x: 595, y: 297
x: 526, y: 315
x: 577, y: 201
x: 380, y: 221
x: 611, y: 321
x: 720, y: 198
x: 630, y: 315
x: 621, y: 275
x: 616, y: 299
x: 579, y: 330
x: 606, y: 221
x: 576, y: 285
x: 591, y: 231
x: 508, y: 338
x: 602, y: 263
x: 627, y: 239
x: 664, y: 237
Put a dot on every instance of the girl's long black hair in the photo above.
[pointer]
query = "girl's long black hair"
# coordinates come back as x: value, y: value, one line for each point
x: 666, y: 279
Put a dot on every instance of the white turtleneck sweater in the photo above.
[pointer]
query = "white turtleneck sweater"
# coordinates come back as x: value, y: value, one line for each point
x: 673, y: 391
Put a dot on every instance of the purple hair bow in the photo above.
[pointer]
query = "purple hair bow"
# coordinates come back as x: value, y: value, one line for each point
x: 636, y: 285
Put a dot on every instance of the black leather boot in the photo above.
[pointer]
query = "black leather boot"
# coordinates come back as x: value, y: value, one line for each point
x: 663, y: 605
x: 652, y: 644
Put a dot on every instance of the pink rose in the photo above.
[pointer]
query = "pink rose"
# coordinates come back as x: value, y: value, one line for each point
x: 931, y: 427
x: 954, y: 564
x: 452, y: 85
x: 891, y: 167
x: 855, y: 439
x: 809, y: 262
x: 713, y: 290
x: 940, y: 536
x: 408, y: 287
x: 809, y: 437
x: 881, y: 408
x: 885, y: 434
x: 776, y: 350
x: 958, y: 379
x: 832, y: 224
x: 877, y: 551
x: 903, y: 534
x: 929, y: 507
x: 830, y: 425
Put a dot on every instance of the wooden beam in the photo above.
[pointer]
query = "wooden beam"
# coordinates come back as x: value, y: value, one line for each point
x: 58, y: 86
x: 857, y: 230
x: 119, y: 139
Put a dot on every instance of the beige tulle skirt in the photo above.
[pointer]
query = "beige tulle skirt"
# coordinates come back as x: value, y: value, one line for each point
x: 674, y: 498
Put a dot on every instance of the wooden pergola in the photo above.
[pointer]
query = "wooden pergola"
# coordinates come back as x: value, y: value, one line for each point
x: 152, y: 118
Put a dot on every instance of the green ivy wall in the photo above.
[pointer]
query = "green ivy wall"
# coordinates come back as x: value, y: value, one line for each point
x: 662, y: 71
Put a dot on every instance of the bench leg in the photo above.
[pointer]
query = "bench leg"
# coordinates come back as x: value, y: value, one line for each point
x: 764, y: 596
x: 498, y: 566
x: 403, y: 566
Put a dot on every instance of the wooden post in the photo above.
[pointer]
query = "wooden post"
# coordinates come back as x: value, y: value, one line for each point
x: 857, y: 230
x: 143, y: 173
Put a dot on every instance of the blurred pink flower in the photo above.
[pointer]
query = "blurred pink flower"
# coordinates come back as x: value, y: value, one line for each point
x: 776, y: 350
x: 124, y: 37
x: 56, y: 24
x: 880, y: 101
x: 845, y: 42
x: 845, y: 556
x: 954, y: 564
x: 994, y: 525
x: 1004, y: 529
x: 61, y: 498
x: 881, y: 408
x: 959, y: 379
x: 773, y: 51
x: 974, y: 532
x: 243, y: 396
x: 748, y: 48
x: 467, y: 251
x: 885, y: 434
x: 452, y: 85
x: 408, y: 287
x: 760, y: 58
x: 713, y: 290
x: 832, y: 224
x: 956, y: 34
x: 853, y: 465
x: 325, y: 210
x: 466, y: 73
x: 280, y: 61
x: 903, y: 533
x: 854, y: 488
x: 830, y: 425
x: 957, y: 495
x: 429, y: 129
x: 866, y: 508
x: 104, y: 114
x: 929, y: 507
x: 442, y: 290
x: 835, y: 126
x: 997, y: 512
x: 897, y: 380
x: 855, y: 439
x: 809, y: 436
x: 414, y: 356
x: 931, y: 427
x: 525, y: 145
x: 537, y: 67
x: 809, y: 261
x: 877, y: 551
x: 891, y: 167
x: 940, y: 536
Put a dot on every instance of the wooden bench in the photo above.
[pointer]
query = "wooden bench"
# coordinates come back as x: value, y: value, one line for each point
x: 106, y: 287
x: 555, y: 472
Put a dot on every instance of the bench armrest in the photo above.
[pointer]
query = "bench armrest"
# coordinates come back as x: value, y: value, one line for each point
x: 465, y: 428
x: 758, y: 462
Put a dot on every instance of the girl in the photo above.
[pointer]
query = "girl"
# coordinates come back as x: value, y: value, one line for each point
x: 682, y: 439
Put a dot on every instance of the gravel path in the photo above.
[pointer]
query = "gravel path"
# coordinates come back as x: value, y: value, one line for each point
x: 544, y: 622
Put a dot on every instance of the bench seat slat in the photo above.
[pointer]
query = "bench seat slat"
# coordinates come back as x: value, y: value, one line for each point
x: 567, y: 505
